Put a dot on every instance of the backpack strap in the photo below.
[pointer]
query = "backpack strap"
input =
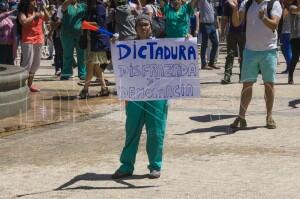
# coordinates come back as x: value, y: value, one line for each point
x: 269, y: 7
x: 247, y: 6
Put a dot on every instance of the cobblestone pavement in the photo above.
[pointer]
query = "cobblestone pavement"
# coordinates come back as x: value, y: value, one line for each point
x: 202, y: 159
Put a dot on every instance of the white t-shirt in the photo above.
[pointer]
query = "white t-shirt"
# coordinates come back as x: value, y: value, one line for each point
x: 258, y: 36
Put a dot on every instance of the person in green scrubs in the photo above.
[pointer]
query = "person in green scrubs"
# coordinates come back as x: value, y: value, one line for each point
x: 73, y: 14
x: 152, y: 114
x: 177, y: 14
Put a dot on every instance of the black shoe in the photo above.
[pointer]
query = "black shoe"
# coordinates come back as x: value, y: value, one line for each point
x: 84, y: 94
x: 82, y: 78
x: 57, y: 73
x: 290, y: 81
x: 49, y: 58
x: 205, y: 67
x: 212, y: 65
x: 226, y: 80
x: 118, y: 175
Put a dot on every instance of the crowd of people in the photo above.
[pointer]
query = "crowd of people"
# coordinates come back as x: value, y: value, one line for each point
x: 57, y: 24
x: 249, y: 27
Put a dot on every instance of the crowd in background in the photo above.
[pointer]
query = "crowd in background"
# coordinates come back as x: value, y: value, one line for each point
x: 57, y: 24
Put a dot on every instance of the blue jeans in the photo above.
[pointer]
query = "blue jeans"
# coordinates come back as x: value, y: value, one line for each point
x: 295, y: 45
x: 208, y: 32
x: 286, y: 48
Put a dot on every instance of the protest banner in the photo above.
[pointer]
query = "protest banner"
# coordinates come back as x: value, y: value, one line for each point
x: 156, y: 69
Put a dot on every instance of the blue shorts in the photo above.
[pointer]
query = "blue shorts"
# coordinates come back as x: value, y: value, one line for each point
x: 253, y: 61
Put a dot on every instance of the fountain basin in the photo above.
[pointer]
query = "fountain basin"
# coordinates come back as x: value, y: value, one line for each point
x: 14, y: 94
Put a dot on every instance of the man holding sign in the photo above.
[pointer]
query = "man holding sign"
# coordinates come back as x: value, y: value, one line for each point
x: 151, y: 113
x: 148, y: 72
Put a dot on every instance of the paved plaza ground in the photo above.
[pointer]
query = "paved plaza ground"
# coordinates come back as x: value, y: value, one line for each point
x: 67, y: 148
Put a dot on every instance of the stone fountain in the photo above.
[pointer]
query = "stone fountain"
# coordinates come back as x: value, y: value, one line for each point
x: 14, y: 95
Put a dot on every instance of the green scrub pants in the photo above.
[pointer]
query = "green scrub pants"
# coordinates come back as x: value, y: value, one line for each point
x: 69, y: 42
x: 154, y: 115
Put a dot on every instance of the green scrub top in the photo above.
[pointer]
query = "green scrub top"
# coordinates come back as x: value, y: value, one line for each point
x: 177, y: 22
x: 72, y: 18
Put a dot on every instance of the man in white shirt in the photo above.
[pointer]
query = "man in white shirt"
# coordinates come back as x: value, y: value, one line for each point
x: 260, y: 52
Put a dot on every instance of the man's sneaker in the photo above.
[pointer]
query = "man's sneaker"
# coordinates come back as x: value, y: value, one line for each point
x: 34, y: 89
x: 226, y: 80
x: 154, y: 174
x: 239, y: 123
x: 205, y: 67
x: 212, y: 65
x: 290, y: 80
x: 118, y: 175
x: 270, y: 123
x: 57, y: 73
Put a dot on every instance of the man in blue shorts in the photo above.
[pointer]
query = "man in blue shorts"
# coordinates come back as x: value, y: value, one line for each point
x: 262, y: 18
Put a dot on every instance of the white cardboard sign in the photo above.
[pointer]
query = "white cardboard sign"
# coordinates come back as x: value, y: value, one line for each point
x: 156, y: 69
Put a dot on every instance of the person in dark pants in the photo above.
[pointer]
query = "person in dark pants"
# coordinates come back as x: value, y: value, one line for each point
x: 54, y: 34
x: 208, y: 31
x: 295, y: 38
x: 58, y: 58
x: 285, y: 33
x: 7, y: 35
x: 235, y: 37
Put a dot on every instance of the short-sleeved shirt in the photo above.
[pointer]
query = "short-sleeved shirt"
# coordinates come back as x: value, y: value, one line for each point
x: 177, y: 22
x: 258, y: 36
x: 227, y: 12
x: 72, y: 18
x: 295, y: 25
x: 207, y: 11
x: 32, y: 33
x: 99, y: 41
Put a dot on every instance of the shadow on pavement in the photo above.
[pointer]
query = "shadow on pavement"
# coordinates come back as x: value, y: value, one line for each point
x: 102, y: 177
x: 293, y: 103
x: 224, y: 129
x: 232, y: 131
x: 282, y: 84
x: 211, y: 118
x: 95, y: 177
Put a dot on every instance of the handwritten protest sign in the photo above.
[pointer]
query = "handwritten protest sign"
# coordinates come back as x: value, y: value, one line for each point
x: 156, y: 69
